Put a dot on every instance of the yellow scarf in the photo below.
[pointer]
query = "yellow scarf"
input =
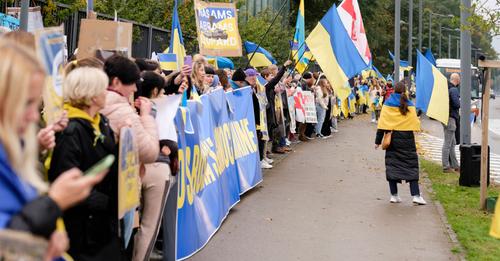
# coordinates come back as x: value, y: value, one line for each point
x: 75, y: 113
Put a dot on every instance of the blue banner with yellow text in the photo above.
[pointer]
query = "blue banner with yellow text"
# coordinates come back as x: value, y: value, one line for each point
x: 219, y: 161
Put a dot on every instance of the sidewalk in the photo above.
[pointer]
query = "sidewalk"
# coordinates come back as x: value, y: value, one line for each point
x: 329, y: 201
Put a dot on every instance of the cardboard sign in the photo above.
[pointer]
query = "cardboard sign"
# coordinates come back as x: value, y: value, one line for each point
x: 105, y: 36
x: 50, y: 45
x: 35, y: 20
x: 217, y: 27
x: 128, y: 173
x: 309, y: 107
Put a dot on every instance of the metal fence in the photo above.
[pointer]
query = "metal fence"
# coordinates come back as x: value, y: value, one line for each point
x: 146, y: 38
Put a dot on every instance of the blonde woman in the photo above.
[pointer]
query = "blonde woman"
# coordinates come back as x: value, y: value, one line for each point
x: 28, y: 203
x: 198, y: 77
x: 92, y: 225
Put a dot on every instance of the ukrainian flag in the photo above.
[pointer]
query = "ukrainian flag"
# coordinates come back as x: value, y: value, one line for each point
x: 261, y: 58
x: 334, y: 50
x: 392, y: 119
x: 168, y: 61
x: 495, y: 223
x: 176, y: 40
x: 432, y: 90
x: 430, y: 57
x: 304, y: 54
x: 403, y: 65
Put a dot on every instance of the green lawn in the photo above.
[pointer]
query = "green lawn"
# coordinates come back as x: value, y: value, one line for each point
x: 462, y: 210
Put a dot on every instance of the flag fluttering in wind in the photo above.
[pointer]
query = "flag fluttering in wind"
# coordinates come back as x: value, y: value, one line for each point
x: 176, y: 40
x: 261, y: 58
x: 334, y: 50
x: 403, y: 65
x: 350, y: 14
x: 432, y: 90
x: 430, y: 57
x: 298, y: 46
x: 168, y: 61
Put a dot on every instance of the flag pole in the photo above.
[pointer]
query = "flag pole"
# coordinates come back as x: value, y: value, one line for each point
x: 265, y: 34
x: 300, y: 58
x: 297, y: 50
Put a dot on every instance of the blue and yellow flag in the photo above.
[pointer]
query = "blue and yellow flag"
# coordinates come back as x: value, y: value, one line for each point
x: 334, y: 50
x: 392, y: 119
x: 432, y: 90
x: 430, y: 57
x: 403, y: 65
x: 176, y: 40
x: 495, y: 223
x: 261, y: 58
x: 168, y: 61
x: 299, y: 47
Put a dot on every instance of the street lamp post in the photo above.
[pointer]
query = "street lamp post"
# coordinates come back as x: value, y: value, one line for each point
x: 420, y: 7
x: 410, y: 34
x: 24, y: 15
x: 465, y: 62
x: 397, y: 29
x: 439, y: 42
x: 450, y: 30
x: 430, y: 31
x: 430, y: 28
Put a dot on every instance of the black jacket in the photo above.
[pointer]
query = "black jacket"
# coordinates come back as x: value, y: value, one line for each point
x: 401, y: 159
x: 270, y: 93
x: 454, y: 94
x: 92, y: 225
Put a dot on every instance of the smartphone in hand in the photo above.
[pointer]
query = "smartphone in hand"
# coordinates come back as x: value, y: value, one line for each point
x: 188, y: 60
x: 100, y: 166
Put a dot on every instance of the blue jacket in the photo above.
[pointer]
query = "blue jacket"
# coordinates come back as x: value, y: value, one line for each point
x: 21, y: 208
x: 13, y: 191
x: 454, y: 94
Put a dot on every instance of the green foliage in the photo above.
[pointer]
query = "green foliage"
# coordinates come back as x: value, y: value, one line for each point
x: 462, y: 211
x: 276, y: 41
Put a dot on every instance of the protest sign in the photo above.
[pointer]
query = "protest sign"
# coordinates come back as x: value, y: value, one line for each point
x: 218, y: 162
x: 128, y: 173
x: 166, y: 109
x: 101, y: 35
x: 50, y: 45
x: 217, y: 27
x: 35, y: 20
x: 309, y: 107
x: 291, y: 112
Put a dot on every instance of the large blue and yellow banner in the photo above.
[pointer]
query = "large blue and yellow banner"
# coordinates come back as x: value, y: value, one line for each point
x: 217, y: 26
x: 219, y: 161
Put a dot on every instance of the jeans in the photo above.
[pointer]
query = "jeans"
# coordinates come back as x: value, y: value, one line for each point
x: 373, y: 116
x: 414, y: 190
x: 321, y: 113
x: 448, y: 156
x: 334, y: 122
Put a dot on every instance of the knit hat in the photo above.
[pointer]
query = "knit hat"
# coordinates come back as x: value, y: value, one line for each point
x: 250, y: 72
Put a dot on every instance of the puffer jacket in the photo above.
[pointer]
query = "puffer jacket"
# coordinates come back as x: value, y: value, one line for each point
x: 121, y: 114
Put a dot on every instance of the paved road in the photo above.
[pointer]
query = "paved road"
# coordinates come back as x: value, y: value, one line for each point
x: 329, y: 201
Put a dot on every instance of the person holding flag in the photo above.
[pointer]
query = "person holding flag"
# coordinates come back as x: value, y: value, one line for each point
x: 398, y: 121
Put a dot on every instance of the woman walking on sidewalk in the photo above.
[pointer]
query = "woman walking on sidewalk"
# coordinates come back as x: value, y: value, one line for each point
x: 398, y: 121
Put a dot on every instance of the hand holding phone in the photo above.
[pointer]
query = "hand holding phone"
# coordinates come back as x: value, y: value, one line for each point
x: 100, y: 166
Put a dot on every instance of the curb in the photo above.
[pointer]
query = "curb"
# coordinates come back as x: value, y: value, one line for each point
x: 442, y: 215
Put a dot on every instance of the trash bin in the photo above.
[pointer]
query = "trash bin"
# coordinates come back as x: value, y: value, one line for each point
x: 470, y: 165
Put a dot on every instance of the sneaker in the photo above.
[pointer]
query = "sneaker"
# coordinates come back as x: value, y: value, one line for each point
x: 419, y: 200
x: 326, y: 137
x: 373, y: 120
x: 395, y: 199
x: 309, y: 138
x: 335, y: 130
x: 268, y: 160
x: 319, y: 135
x: 288, y: 143
x: 265, y: 165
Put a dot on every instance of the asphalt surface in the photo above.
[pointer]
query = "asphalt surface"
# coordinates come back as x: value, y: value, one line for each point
x: 329, y: 200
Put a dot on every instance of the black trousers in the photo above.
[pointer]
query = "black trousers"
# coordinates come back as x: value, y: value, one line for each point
x: 414, y: 190
x: 261, y: 145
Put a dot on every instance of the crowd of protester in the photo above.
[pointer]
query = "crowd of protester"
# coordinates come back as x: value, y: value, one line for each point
x: 103, y: 96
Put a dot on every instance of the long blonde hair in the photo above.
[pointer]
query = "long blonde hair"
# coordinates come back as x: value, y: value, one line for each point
x: 197, y: 79
x: 17, y: 67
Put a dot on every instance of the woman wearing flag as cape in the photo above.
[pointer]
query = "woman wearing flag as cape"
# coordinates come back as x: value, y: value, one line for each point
x: 398, y: 121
